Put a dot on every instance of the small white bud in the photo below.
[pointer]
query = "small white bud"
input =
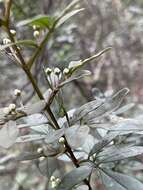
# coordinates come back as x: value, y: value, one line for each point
x: 42, y: 158
x: 58, y: 180
x: 61, y: 140
x: 34, y: 27
x: 13, y: 32
x: 39, y: 150
x: 94, y: 155
x: 53, y: 184
x: 17, y: 92
x: 48, y: 71
x: 6, y: 41
x: 12, y: 107
x: 52, y: 178
x: 57, y: 71
x: 6, y: 110
x: 66, y: 71
x: 36, y: 34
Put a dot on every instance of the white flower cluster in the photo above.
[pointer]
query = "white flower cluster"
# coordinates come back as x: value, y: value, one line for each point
x: 54, y: 181
x: 55, y: 75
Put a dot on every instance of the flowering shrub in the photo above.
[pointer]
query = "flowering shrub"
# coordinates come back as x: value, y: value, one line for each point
x: 93, y: 139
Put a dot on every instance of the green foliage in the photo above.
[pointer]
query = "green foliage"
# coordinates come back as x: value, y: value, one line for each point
x: 93, y: 137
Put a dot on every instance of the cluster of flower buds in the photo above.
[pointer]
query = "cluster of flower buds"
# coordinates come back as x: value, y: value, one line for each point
x: 54, y: 181
x: 61, y: 140
x: 6, y: 41
x: 10, y: 109
x: 36, y: 32
x: 55, y: 75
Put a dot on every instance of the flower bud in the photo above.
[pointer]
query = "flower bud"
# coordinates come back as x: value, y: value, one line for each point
x: 17, y: 92
x: 53, y: 184
x: 57, y: 71
x: 36, y: 33
x: 58, y: 180
x: 52, y: 178
x: 42, y: 158
x: 66, y: 71
x: 6, y: 41
x: 12, y: 107
x: 39, y: 150
x: 61, y: 140
x: 48, y: 71
x: 34, y: 27
x: 13, y: 32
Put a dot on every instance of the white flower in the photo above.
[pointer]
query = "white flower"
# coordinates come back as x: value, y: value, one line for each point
x: 57, y: 71
x: 12, y: 107
x: 17, y: 92
x: 66, y: 71
x: 13, y: 32
x: 36, y: 33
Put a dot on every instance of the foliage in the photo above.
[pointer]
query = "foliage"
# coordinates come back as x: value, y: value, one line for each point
x: 93, y: 138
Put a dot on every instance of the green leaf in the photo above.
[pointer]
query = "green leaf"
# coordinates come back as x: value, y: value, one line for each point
x: 47, y: 166
x: 74, y: 65
x: 118, y: 181
x: 28, y: 156
x: 102, y: 143
x: 74, y: 177
x: 8, y: 134
x: 115, y: 153
x: 42, y: 21
x: 20, y: 42
x: 63, y: 19
x: 32, y: 109
x: 110, y: 105
x: 30, y: 138
x: 75, y: 76
x: 54, y: 135
x: 76, y: 135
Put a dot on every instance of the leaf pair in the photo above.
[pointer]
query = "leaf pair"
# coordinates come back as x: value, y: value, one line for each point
x: 117, y: 181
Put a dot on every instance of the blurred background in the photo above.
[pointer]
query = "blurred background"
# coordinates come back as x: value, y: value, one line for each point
x: 116, y: 23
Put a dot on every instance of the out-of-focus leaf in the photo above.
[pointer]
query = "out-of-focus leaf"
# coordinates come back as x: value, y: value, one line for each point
x: 34, y: 108
x: 74, y: 177
x: 28, y: 156
x: 29, y: 138
x: 88, y: 144
x: 64, y: 18
x: 47, y: 166
x: 36, y: 119
x: 30, y: 43
x: 8, y: 134
x: 76, y: 135
x: 102, y: 143
x: 41, y: 21
x: 74, y: 65
x: 54, y: 149
x: 76, y: 76
x: 41, y: 128
x: 54, y: 135
x: 119, y: 153
x: 125, y: 108
x: 118, y: 181
x: 110, y: 105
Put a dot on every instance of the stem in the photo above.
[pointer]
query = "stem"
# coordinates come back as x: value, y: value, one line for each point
x: 33, y: 82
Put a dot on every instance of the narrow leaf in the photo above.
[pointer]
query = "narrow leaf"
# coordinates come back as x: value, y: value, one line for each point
x: 118, y: 181
x: 74, y: 177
